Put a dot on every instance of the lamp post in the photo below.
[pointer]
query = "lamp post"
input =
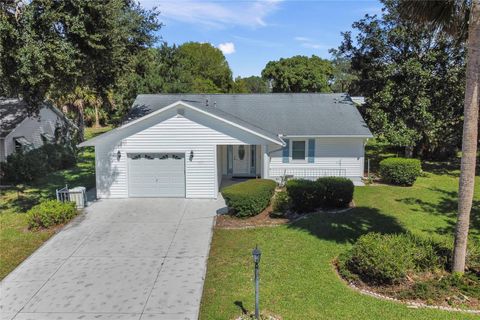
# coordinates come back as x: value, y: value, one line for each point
x: 256, y: 253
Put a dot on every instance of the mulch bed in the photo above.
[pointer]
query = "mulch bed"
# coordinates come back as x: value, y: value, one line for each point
x: 229, y: 221
x: 456, y: 302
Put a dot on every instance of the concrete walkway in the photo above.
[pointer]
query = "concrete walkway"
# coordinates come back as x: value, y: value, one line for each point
x: 123, y: 259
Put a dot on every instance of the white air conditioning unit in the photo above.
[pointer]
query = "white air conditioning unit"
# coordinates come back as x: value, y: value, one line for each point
x: 79, y: 196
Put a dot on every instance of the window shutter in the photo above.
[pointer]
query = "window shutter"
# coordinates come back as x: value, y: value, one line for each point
x: 311, y: 150
x: 286, y: 151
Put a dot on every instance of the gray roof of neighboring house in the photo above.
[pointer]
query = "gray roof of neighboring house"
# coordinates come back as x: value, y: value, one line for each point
x: 13, y: 111
x: 289, y: 114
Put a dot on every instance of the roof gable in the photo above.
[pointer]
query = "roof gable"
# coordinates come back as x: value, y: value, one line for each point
x: 152, y: 118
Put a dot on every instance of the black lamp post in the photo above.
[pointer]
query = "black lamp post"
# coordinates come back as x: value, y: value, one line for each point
x: 256, y: 253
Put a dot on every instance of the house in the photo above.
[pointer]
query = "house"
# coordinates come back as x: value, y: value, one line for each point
x: 23, y: 129
x: 183, y: 145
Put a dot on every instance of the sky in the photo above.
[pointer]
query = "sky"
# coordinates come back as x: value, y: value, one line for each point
x: 251, y: 33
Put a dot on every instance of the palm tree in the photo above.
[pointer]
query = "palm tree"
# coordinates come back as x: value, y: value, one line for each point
x: 460, y: 18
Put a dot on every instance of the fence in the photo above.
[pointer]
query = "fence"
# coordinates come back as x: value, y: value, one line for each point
x: 306, y: 173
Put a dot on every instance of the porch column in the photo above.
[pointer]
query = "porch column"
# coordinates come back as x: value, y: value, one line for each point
x: 265, y: 162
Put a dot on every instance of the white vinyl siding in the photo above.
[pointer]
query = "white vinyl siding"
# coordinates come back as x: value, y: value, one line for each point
x: 177, y: 134
x: 330, y: 153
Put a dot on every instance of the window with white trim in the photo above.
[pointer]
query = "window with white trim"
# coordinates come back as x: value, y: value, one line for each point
x: 299, y: 150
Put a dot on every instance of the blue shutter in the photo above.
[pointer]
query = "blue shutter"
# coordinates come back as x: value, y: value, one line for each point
x: 311, y: 150
x: 286, y: 151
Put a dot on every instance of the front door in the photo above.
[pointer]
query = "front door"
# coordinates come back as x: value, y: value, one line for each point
x: 241, y: 160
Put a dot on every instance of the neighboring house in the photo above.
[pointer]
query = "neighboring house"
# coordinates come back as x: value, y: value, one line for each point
x: 184, y: 145
x: 22, y: 129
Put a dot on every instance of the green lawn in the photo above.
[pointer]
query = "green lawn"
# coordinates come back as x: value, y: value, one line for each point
x: 297, y: 277
x: 16, y: 241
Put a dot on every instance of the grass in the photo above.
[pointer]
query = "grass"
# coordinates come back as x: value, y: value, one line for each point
x: 297, y: 277
x: 17, y: 242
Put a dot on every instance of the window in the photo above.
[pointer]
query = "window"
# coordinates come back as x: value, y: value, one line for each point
x: 299, y: 150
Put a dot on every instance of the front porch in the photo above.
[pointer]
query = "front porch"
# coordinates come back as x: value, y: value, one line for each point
x: 236, y: 163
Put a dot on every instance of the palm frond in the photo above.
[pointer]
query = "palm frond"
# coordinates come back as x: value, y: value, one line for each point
x: 450, y: 16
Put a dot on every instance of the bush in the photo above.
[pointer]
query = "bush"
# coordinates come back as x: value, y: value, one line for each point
x: 249, y: 198
x: 305, y: 195
x: 331, y: 192
x: 281, y: 204
x: 400, y: 171
x: 338, y: 191
x: 24, y: 167
x: 50, y: 213
x: 386, y: 259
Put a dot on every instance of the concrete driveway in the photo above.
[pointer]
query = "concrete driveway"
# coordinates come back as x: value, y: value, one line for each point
x: 123, y: 259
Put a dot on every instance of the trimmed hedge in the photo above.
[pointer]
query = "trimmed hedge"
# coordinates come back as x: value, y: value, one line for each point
x: 386, y: 259
x: 50, y: 213
x: 338, y: 191
x: 249, y: 198
x: 304, y: 194
x: 24, y: 167
x: 400, y: 171
x: 332, y: 192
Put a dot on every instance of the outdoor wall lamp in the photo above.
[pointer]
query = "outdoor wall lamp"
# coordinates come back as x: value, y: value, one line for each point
x: 191, y: 155
x: 256, y: 253
x: 119, y: 155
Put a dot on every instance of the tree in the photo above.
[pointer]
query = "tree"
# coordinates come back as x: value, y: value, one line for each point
x: 343, y: 76
x: 207, y: 66
x: 252, y: 84
x: 59, y: 46
x: 458, y: 18
x: 413, y: 81
x: 299, y: 74
x: 240, y: 86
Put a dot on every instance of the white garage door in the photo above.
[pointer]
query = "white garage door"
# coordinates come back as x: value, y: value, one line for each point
x: 156, y: 175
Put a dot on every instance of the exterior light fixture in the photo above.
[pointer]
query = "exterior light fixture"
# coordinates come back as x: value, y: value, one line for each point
x: 256, y: 253
x: 191, y: 155
x: 119, y: 155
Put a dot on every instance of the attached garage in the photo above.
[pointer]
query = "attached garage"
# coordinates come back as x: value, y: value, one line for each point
x: 156, y: 175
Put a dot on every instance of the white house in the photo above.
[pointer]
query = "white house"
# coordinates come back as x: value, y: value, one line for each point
x: 184, y: 145
x: 23, y: 129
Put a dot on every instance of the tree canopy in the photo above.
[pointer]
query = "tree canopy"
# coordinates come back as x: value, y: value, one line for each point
x: 252, y: 84
x: 207, y: 66
x: 413, y: 80
x: 299, y: 74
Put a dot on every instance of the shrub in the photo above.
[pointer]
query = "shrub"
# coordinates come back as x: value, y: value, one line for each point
x: 24, y: 167
x: 400, y: 171
x: 281, y: 204
x: 50, y: 213
x: 305, y: 195
x: 249, y: 198
x: 338, y: 191
x: 387, y: 259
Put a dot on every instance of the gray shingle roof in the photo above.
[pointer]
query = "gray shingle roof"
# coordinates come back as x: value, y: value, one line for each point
x: 12, y: 112
x: 290, y: 114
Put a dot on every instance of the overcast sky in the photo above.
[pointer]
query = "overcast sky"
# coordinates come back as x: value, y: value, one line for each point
x: 252, y: 32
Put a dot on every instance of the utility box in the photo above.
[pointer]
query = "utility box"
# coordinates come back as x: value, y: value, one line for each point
x: 79, y: 196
